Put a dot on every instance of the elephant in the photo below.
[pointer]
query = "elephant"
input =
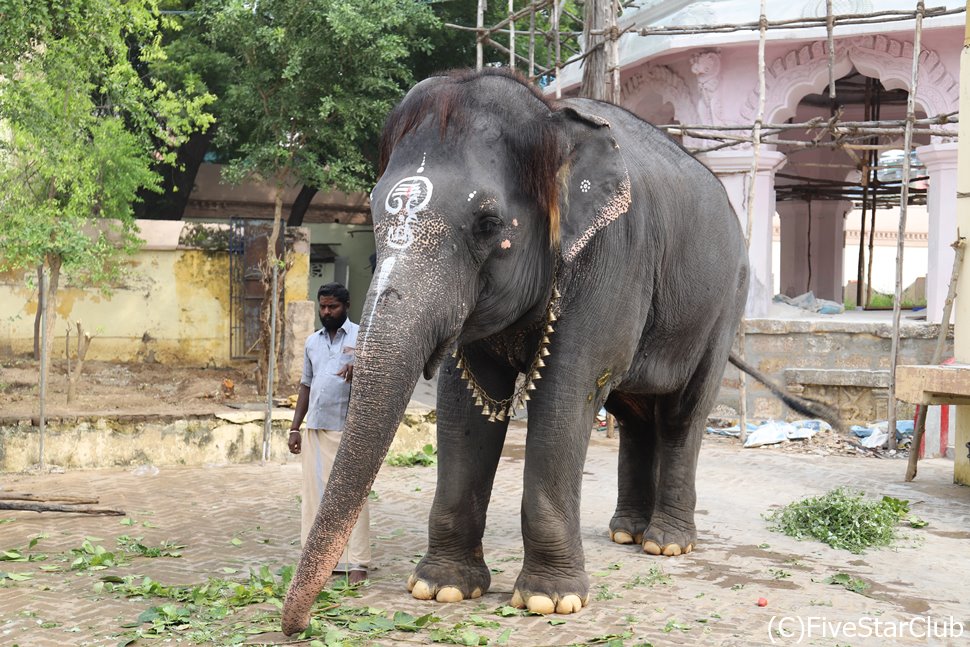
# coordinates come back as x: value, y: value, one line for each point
x: 557, y: 256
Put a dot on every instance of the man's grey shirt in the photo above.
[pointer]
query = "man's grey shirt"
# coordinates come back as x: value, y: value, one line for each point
x: 329, y: 393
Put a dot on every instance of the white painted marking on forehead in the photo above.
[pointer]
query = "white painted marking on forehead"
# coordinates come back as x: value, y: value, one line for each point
x: 424, y: 156
x: 405, y: 200
x: 383, y: 275
x: 471, y: 195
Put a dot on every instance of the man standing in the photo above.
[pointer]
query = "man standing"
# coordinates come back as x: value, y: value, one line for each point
x: 328, y: 368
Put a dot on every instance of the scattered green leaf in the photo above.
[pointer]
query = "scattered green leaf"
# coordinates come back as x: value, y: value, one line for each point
x: 849, y: 583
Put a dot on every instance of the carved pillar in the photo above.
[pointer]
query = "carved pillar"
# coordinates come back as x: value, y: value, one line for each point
x: 812, y: 250
x: 733, y: 168
x: 941, y: 205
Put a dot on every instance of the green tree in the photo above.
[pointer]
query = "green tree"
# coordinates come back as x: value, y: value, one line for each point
x: 308, y: 93
x: 83, y: 127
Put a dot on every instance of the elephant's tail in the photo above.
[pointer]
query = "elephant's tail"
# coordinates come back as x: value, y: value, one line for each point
x: 805, y: 406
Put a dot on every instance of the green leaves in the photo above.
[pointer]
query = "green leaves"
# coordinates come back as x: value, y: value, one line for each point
x: 85, y: 125
x: 94, y: 557
x: 134, y: 546
x: 297, y: 107
x: 426, y: 456
x: 841, y: 519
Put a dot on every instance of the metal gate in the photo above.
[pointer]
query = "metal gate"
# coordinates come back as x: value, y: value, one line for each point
x: 247, y: 251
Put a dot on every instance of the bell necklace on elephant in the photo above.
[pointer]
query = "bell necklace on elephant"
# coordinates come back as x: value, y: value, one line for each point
x: 500, y: 409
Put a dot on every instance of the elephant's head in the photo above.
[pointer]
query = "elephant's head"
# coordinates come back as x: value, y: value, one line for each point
x: 486, y: 188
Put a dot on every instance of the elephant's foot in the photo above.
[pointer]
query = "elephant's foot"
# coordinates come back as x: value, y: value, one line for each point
x: 569, y: 596
x: 626, y: 529
x: 669, y: 538
x: 449, y: 581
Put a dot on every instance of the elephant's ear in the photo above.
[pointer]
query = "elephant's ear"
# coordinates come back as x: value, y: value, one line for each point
x: 594, y: 182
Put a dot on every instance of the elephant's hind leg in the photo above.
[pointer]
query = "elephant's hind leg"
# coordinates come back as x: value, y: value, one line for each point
x: 469, y: 448
x: 636, y: 466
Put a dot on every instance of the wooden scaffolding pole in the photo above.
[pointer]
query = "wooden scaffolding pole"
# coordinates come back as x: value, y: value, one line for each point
x: 481, y: 35
x: 752, y: 193
x: 512, y: 34
x: 903, y: 199
x: 613, y: 61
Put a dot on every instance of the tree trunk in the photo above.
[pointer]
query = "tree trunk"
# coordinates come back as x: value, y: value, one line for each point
x: 74, y: 374
x: 266, y: 309
x: 54, y: 267
x: 40, y: 277
x: 300, y: 206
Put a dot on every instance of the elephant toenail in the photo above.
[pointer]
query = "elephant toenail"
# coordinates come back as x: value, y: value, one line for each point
x: 651, y: 547
x: 540, y: 604
x: 622, y: 537
x: 421, y: 590
x: 672, y: 550
x: 517, y: 600
x: 449, y: 594
x: 569, y: 604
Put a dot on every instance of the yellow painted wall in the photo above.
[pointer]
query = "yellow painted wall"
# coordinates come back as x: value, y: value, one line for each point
x: 174, y: 307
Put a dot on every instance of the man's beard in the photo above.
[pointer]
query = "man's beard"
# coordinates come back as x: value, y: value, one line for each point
x: 333, y: 323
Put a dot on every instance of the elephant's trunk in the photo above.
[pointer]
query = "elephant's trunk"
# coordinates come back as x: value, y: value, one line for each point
x: 392, y: 349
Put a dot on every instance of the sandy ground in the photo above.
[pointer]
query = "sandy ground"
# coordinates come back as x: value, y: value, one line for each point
x: 706, y: 598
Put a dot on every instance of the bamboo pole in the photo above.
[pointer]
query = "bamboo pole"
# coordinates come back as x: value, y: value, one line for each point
x: 903, y: 199
x: 820, y: 123
x: 511, y: 35
x: 556, y: 9
x: 752, y: 192
x: 480, y: 24
x: 532, y: 41
x: 613, y: 61
x: 830, y: 41
x: 796, y: 23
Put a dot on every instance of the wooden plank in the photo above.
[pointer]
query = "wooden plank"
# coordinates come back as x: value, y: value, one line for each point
x: 933, y: 384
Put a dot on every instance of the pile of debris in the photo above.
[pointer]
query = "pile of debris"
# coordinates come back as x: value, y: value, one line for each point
x: 810, y: 436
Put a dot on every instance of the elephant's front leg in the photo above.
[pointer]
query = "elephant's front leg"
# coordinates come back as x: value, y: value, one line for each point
x: 680, y: 419
x: 469, y: 447
x: 553, y: 577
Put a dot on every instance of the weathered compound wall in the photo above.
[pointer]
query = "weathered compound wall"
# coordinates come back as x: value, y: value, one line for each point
x: 173, y: 307
x: 774, y: 345
x: 159, y: 441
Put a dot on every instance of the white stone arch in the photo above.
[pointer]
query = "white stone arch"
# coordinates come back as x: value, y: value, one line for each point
x: 804, y: 70
x: 663, y: 81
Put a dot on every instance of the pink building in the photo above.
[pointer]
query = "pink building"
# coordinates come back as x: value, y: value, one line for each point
x: 712, y: 79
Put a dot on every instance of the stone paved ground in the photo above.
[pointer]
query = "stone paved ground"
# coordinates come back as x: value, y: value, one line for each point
x: 710, y: 597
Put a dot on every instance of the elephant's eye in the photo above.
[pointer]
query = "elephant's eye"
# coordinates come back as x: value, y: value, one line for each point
x: 488, y: 224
